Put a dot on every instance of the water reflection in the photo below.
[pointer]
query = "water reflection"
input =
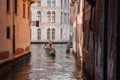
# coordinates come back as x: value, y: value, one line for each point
x: 45, y: 67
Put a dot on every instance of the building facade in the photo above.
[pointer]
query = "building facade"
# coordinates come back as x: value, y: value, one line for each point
x: 14, y: 27
x: 50, y: 21
x: 99, y: 35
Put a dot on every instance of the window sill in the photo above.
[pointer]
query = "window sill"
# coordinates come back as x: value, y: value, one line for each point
x: 8, y: 12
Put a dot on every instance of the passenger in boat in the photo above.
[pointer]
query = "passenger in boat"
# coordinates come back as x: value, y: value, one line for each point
x: 68, y: 48
x: 45, y: 46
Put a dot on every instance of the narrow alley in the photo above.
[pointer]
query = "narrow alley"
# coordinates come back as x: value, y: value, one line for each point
x: 43, y: 67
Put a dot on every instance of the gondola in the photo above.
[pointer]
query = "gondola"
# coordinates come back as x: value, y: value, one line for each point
x: 50, y: 51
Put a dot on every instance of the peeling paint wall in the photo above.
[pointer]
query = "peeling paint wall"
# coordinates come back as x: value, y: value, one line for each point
x: 101, y: 40
x: 112, y: 53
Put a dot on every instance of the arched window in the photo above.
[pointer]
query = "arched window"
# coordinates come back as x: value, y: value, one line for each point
x: 49, y: 16
x: 39, y: 16
x: 48, y: 34
x: 53, y: 16
x: 53, y: 34
x: 38, y: 33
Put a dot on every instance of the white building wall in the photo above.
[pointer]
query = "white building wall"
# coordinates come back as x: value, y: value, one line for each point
x: 44, y: 25
x: 34, y: 33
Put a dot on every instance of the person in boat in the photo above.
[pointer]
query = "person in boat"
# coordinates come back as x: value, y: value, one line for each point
x: 45, y: 46
x: 51, y: 49
x: 68, y: 48
x: 50, y: 43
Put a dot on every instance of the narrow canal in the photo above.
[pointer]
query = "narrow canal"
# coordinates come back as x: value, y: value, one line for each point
x: 44, y: 67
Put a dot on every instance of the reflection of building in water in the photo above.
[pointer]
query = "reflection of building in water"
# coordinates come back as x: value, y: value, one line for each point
x: 50, y: 21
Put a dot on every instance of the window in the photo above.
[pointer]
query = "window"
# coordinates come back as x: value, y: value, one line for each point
x: 8, y: 33
x: 37, y: 23
x: 8, y: 6
x: 53, y: 34
x: 65, y: 18
x: 65, y: 3
x: 49, y: 16
x: 68, y: 4
x: 48, y: 33
x: 61, y: 3
x: 28, y: 12
x: 39, y: 16
x: 53, y: 16
x: 24, y: 10
x: 68, y: 18
x: 61, y: 17
x: 15, y: 6
x: 39, y: 3
x: 51, y: 3
x: 39, y: 34
x: 61, y: 34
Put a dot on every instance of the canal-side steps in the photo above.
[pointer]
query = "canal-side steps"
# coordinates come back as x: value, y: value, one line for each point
x: 7, y: 64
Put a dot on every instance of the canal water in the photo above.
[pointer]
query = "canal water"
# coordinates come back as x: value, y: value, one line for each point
x: 44, y: 67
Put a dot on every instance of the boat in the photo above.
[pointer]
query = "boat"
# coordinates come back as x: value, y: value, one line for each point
x: 50, y: 51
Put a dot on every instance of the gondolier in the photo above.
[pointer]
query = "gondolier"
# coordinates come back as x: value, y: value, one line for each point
x: 50, y: 43
x: 68, y: 48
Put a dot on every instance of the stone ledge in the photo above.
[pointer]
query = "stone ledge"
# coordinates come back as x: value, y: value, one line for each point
x: 6, y: 65
x: 13, y: 58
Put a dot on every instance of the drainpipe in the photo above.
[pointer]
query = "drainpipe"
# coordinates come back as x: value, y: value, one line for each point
x: 13, y: 45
